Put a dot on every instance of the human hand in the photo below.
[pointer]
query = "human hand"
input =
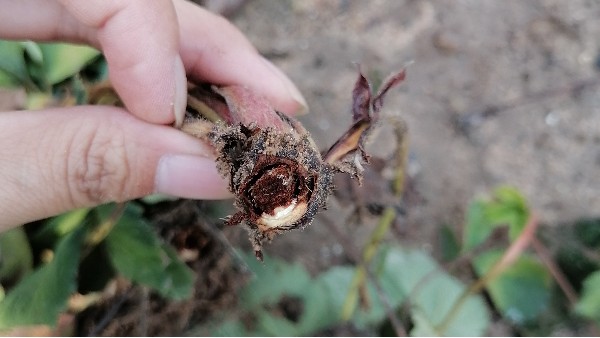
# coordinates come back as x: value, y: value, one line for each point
x: 60, y: 159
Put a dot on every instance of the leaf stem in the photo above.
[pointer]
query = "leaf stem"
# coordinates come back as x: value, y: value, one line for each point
x: 385, y: 222
x: 555, y: 271
x: 99, y: 233
x: 368, y: 253
x: 509, y: 257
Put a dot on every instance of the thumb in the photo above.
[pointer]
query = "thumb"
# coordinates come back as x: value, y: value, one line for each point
x: 61, y: 159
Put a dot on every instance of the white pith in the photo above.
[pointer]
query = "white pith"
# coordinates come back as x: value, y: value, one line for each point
x: 283, y: 215
x: 284, y: 211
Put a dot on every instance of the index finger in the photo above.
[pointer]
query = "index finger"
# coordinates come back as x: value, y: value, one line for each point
x: 140, y: 40
x: 215, y: 51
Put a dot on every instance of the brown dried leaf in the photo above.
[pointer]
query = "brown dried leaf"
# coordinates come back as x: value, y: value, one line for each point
x: 361, y: 99
x: 391, y: 81
x: 348, y: 143
x: 365, y: 113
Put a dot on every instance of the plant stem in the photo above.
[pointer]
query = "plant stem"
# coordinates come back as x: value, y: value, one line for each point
x: 396, y: 323
x: 368, y: 253
x: 385, y: 222
x: 99, y: 233
x: 510, y: 256
x: 401, y: 156
x: 555, y: 271
x: 203, y: 109
x: 354, y: 255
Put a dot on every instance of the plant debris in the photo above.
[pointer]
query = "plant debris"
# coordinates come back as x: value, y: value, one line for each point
x: 274, y: 168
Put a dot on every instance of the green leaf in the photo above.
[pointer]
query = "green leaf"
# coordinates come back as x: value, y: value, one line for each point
x: 7, y: 81
x: 42, y: 295
x: 16, y: 258
x: 522, y: 291
x: 326, y: 295
x: 432, y: 294
x: 587, y: 231
x: 449, y: 244
x: 33, y: 50
x: 136, y: 253
x: 180, y: 275
x: 158, y: 198
x: 38, y: 100
x: 507, y: 207
x: 272, y: 325
x: 589, y: 303
x: 12, y: 61
x: 404, y: 270
x: 324, y: 298
x: 402, y: 273
x: 229, y: 328
x: 433, y: 303
x: 62, y: 60
x: 62, y: 224
x: 477, y: 228
x: 272, y: 279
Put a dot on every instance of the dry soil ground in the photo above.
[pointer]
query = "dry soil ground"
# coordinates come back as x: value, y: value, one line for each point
x: 499, y: 92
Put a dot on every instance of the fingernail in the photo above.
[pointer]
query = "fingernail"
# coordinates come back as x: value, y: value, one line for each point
x: 180, y: 99
x: 189, y: 176
x: 290, y: 87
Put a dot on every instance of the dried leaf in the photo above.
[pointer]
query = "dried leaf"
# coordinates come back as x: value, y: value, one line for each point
x: 348, y: 143
x: 391, y: 81
x: 354, y: 139
x: 361, y: 99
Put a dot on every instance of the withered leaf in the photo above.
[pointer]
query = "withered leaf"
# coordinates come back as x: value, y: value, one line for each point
x: 390, y: 82
x: 365, y: 113
x: 361, y: 99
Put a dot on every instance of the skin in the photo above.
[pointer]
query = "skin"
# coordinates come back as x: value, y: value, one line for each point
x: 59, y: 159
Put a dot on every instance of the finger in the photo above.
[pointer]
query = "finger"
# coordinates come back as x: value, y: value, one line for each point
x: 41, y: 21
x: 212, y: 49
x: 215, y: 51
x: 139, y: 38
x: 56, y: 160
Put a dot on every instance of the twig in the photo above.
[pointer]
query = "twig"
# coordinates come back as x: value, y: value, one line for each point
x: 393, y: 318
x: 109, y: 315
x: 385, y: 222
x: 560, y: 278
x: 142, y: 329
x: 509, y: 257
x: 354, y: 255
x: 369, y: 251
x: 99, y: 233
x: 465, y: 257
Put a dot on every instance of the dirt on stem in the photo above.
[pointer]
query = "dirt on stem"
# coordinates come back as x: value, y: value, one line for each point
x: 275, y: 170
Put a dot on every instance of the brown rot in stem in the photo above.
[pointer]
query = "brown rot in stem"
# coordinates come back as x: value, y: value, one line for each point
x: 274, y: 168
